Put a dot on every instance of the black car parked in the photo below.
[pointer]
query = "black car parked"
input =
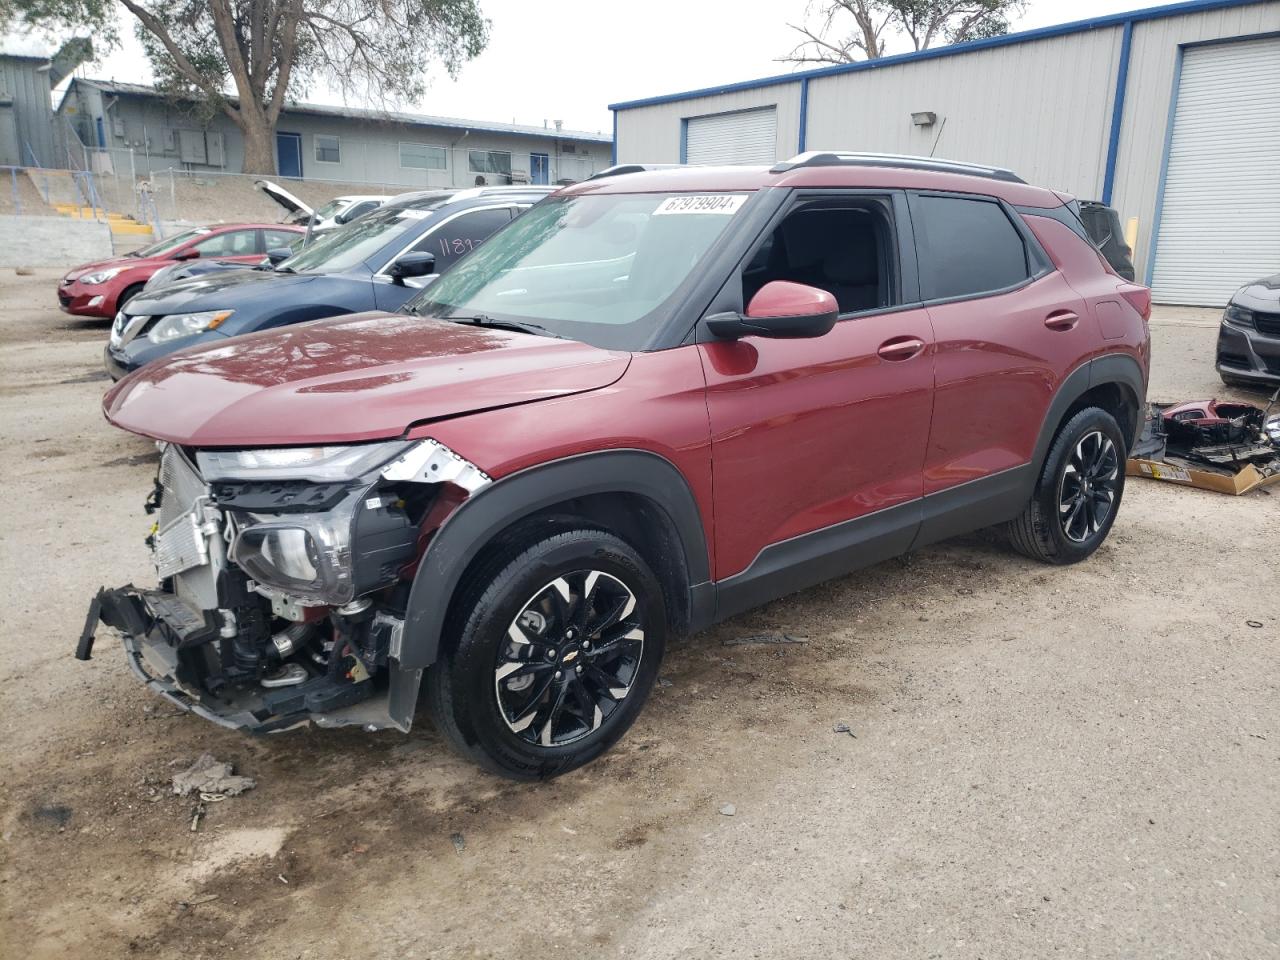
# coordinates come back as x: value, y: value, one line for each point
x: 375, y: 263
x: 1249, y: 338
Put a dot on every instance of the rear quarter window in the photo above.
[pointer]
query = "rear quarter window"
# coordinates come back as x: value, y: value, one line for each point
x: 969, y: 248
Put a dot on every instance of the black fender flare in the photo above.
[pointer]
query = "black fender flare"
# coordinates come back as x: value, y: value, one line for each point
x: 495, y: 507
x: 1118, y: 368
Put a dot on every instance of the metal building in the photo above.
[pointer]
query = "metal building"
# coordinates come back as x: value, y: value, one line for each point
x: 1170, y: 114
x: 135, y: 128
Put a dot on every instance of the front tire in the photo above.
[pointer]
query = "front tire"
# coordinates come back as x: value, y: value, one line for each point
x: 1078, y: 493
x: 550, y: 655
x: 128, y: 294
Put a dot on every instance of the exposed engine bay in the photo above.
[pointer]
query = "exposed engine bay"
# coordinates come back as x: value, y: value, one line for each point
x: 284, y: 576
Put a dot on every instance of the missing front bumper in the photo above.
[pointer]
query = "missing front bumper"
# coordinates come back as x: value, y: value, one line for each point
x: 161, y: 635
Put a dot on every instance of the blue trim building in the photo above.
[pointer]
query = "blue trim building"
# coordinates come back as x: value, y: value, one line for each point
x: 1087, y: 107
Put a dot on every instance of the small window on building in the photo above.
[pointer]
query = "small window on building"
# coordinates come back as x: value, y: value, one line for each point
x: 328, y: 150
x: 423, y: 156
x: 494, y: 165
x: 970, y: 247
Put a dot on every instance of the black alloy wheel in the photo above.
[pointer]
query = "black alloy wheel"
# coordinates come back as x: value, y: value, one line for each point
x: 570, y: 658
x: 1087, y: 491
x: 1078, y: 492
x: 549, y: 654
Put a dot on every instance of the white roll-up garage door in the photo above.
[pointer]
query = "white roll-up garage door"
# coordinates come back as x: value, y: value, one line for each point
x: 747, y: 136
x: 1220, y: 219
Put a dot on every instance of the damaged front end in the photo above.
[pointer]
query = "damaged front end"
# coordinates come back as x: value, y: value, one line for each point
x: 284, y: 576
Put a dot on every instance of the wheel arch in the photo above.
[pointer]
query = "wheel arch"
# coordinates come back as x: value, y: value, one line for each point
x: 1113, y: 382
x: 637, y: 495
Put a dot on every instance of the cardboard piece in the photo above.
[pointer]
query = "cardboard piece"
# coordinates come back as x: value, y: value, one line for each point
x: 1248, y: 479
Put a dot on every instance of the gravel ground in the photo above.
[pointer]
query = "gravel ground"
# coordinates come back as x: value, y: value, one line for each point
x: 1082, y: 761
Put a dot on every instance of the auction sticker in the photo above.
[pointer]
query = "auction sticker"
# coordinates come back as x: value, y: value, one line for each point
x: 725, y: 203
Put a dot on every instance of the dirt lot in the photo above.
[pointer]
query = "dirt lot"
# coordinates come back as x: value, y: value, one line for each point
x: 1045, y: 762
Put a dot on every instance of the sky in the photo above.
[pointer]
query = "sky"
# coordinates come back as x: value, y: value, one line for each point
x: 569, y: 60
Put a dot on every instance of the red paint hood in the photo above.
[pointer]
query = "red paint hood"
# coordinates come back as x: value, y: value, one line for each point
x: 348, y: 379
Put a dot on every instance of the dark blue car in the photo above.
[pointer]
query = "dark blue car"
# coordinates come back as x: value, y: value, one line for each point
x: 374, y: 263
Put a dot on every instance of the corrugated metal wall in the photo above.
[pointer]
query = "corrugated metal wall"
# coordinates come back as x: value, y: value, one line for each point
x: 1148, y: 99
x: 994, y: 104
x: 28, y: 88
x: 1042, y: 108
x: 652, y: 134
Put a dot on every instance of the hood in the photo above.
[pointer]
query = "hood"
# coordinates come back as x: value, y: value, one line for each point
x: 283, y: 197
x: 1263, y: 295
x: 127, y: 263
x: 214, y: 290
x: 349, y: 379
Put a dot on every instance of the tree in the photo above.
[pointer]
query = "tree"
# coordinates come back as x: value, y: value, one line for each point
x: 244, y: 58
x: 923, y: 21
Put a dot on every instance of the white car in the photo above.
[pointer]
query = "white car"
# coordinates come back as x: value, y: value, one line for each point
x: 333, y: 214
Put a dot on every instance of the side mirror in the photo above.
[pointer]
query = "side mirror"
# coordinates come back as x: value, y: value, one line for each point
x: 190, y: 254
x: 412, y: 265
x: 341, y: 218
x: 278, y: 255
x: 781, y: 310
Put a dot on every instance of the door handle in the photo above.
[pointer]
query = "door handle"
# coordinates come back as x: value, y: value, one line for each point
x: 1061, y: 320
x: 900, y: 348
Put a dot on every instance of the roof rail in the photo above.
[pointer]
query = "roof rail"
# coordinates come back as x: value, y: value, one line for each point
x: 621, y: 168
x: 827, y: 159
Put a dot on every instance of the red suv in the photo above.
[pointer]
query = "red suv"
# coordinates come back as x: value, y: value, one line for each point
x: 655, y: 400
x: 100, y: 289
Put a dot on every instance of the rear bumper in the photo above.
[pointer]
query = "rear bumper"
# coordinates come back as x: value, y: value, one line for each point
x: 1248, y: 355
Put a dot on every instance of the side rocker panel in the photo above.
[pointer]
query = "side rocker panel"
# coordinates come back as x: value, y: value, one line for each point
x: 487, y: 513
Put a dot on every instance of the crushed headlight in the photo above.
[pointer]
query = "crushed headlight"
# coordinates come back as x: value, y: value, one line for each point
x: 178, y: 325
x: 99, y: 276
x: 1238, y: 315
x: 321, y: 464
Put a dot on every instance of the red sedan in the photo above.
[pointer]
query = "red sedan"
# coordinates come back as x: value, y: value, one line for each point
x: 100, y: 289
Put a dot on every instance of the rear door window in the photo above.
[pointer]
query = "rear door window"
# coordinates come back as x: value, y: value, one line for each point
x: 279, y: 238
x: 968, y: 247
x: 461, y: 235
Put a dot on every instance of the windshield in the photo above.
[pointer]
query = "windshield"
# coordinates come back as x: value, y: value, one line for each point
x: 168, y: 245
x: 594, y: 268
x: 354, y: 243
x: 330, y: 208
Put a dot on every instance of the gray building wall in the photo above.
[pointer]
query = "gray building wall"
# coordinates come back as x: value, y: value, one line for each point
x: 26, y: 112
x: 652, y: 135
x: 1148, y: 103
x: 141, y: 133
x: 1042, y: 107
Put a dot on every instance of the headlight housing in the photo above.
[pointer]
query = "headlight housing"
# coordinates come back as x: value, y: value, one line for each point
x: 320, y: 464
x: 99, y: 276
x: 315, y: 523
x: 1238, y: 315
x: 178, y: 325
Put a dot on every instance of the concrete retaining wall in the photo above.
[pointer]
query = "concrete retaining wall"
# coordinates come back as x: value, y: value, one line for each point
x: 51, y: 241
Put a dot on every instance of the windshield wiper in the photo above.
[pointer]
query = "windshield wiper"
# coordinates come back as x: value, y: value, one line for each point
x: 484, y: 320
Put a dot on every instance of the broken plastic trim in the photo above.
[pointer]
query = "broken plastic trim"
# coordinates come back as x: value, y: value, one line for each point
x: 430, y: 461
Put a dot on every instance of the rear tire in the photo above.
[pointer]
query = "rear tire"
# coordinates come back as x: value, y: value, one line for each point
x: 550, y: 655
x: 1078, y: 493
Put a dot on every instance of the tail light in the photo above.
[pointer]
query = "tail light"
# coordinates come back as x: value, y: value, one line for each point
x: 1139, y: 298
